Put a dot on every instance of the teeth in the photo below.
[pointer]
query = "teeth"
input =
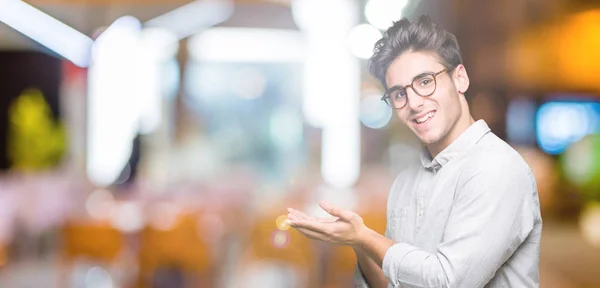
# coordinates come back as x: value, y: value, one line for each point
x: 425, y: 118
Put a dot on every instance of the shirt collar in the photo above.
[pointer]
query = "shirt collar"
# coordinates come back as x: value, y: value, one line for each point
x: 462, y: 144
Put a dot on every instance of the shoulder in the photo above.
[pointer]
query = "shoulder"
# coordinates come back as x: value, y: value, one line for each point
x: 494, y: 154
x: 494, y: 163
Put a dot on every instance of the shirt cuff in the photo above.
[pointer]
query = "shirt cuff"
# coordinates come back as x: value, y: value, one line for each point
x: 392, y: 262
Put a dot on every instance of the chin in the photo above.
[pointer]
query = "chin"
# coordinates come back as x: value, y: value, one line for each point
x: 429, y: 141
x: 430, y: 137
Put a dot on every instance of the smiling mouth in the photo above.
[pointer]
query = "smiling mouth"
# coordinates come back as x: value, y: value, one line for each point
x: 425, y: 118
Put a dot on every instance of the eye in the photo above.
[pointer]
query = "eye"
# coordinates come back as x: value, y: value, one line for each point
x: 425, y: 82
x: 400, y: 93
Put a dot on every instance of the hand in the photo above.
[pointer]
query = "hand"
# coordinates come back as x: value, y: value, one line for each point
x: 344, y: 228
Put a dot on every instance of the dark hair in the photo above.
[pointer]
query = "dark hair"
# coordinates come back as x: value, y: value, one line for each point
x: 420, y: 35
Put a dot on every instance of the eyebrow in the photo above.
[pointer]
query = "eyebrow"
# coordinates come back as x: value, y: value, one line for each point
x: 413, y: 79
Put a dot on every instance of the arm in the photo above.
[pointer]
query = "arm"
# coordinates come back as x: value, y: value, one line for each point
x: 492, y: 215
x: 366, y: 267
x: 368, y: 273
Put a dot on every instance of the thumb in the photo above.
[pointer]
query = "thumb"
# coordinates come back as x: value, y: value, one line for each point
x: 336, y: 211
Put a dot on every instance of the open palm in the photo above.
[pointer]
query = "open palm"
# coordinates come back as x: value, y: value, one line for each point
x: 342, y: 228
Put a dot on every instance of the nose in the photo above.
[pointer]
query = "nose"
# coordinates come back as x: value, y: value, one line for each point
x: 414, y: 101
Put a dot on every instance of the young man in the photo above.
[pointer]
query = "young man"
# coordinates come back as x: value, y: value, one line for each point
x: 468, y: 214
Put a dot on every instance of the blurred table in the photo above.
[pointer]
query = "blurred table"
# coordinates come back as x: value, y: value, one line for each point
x: 566, y: 259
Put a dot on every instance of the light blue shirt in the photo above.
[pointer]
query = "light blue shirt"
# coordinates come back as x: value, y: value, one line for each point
x: 468, y: 218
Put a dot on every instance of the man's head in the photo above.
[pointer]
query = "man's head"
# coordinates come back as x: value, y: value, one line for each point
x: 424, y: 55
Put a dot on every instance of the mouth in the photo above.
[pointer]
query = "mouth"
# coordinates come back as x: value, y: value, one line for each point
x: 425, y: 118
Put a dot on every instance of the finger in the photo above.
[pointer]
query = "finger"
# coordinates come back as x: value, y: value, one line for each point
x: 300, y: 214
x: 315, y: 226
x: 336, y: 211
x: 292, y: 216
x: 297, y: 215
x: 328, y: 220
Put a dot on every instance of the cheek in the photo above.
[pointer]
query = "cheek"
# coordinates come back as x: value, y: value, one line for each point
x: 447, y: 99
x: 401, y: 114
x: 452, y: 101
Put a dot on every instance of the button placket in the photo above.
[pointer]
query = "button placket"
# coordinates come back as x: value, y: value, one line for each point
x: 420, y: 210
x: 403, y: 214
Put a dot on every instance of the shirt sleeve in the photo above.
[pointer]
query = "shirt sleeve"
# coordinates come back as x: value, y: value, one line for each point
x: 492, y: 214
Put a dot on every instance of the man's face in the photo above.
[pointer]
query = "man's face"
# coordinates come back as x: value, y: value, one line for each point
x: 430, y: 118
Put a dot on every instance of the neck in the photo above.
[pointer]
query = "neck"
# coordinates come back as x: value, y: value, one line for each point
x: 463, y: 123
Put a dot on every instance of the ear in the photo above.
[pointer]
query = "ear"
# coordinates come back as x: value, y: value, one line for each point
x: 461, y: 79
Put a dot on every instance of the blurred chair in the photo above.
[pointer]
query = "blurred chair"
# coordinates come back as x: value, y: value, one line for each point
x: 271, y: 256
x: 178, y: 253
x: 341, y: 262
x: 96, y: 240
x: 99, y: 242
x: 3, y: 255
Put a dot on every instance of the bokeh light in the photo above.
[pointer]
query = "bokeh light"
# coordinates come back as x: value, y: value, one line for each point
x: 282, y: 223
x: 578, y: 162
x: 163, y: 215
x: 362, y: 39
x: 280, y: 239
x: 581, y: 165
x: 382, y: 13
x: 128, y: 217
x: 589, y: 223
x: 310, y: 15
x: 100, y: 204
x: 560, y: 124
x: 98, y: 277
x: 374, y: 113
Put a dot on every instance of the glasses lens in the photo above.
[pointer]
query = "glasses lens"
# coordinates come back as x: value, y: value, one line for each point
x: 396, y: 98
x: 424, y: 86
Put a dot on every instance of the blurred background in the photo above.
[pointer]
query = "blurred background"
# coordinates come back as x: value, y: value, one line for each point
x: 155, y: 143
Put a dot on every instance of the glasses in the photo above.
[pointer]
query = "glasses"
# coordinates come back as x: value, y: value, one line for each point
x: 423, y: 85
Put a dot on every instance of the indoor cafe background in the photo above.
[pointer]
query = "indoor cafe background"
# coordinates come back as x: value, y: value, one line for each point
x: 155, y: 143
